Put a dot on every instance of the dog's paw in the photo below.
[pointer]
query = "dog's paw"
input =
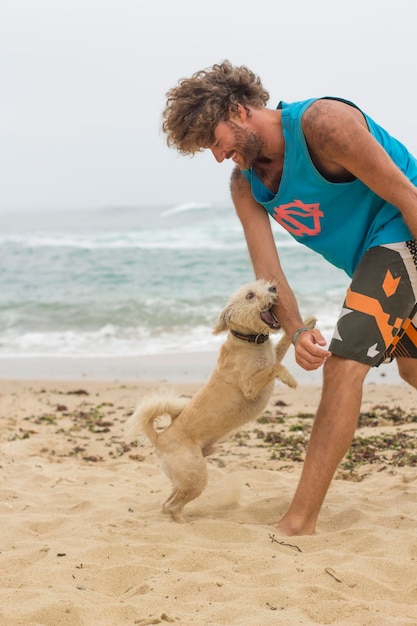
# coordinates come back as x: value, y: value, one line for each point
x: 177, y: 516
x: 284, y: 376
x: 310, y: 322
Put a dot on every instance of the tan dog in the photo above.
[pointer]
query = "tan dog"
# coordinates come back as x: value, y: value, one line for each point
x: 238, y: 390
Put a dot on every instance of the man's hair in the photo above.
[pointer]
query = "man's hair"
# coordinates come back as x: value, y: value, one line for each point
x: 196, y: 105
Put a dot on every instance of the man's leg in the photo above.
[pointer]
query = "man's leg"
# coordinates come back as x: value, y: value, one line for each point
x: 332, y: 434
x: 407, y: 369
x: 381, y: 299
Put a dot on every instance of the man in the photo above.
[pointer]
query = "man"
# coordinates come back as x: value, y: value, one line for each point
x: 340, y: 184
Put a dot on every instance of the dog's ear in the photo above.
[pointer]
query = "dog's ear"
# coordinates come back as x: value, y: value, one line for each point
x: 222, y: 322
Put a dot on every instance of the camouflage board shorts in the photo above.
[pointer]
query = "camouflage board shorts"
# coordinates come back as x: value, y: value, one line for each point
x: 378, y: 321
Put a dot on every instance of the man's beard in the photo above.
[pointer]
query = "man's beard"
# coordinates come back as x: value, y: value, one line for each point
x: 248, y: 145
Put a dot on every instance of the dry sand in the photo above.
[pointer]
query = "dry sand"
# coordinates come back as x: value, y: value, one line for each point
x: 84, y: 541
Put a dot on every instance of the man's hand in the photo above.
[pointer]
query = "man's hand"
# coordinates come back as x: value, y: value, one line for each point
x: 308, y: 354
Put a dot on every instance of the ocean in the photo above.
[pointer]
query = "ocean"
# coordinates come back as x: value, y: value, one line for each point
x: 137, y: 281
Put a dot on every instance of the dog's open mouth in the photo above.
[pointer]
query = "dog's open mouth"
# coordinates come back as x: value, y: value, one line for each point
x: 269, y: 318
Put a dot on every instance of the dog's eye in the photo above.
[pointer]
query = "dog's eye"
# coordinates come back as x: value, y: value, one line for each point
x: 272, y: 289
x: 250, y: 295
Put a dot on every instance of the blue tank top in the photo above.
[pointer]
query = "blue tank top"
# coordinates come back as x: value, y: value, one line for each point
x: 340, y: 221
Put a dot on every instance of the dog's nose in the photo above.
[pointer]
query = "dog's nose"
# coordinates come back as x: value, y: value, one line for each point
x: 272, y: 289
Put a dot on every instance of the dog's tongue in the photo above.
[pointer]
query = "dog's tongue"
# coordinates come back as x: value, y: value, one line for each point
x: 269, y: 319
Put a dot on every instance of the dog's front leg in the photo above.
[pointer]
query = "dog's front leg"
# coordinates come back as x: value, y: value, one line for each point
x: 282, y: 347
x: 285, y: 342
x: 284, y: 376
x: 252, y: 386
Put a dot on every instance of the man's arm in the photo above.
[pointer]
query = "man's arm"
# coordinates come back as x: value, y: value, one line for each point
x: 341, y: 144
x: 266, y: 264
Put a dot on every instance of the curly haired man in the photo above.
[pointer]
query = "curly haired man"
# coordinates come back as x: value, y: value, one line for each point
x: 343, y: 186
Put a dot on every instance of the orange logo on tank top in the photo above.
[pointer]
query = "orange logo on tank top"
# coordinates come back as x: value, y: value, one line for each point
x: 298, y: 218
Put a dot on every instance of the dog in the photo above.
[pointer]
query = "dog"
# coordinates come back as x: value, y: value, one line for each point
x: 238, y: 390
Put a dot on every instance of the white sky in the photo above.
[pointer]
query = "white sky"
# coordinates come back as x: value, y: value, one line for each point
x: 83, y: 85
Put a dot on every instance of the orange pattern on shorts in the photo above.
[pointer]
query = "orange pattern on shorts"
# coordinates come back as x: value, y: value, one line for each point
x: 411, y: 332
x: 390, y: 284
x: 371, y: 306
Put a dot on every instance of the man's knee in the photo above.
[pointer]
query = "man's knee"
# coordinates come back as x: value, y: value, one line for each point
x: 338, y: 370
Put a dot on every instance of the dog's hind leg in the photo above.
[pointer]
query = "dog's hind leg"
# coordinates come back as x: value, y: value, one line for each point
x: 166, y: 506
x: 189, y: 475
x: 176, y: 502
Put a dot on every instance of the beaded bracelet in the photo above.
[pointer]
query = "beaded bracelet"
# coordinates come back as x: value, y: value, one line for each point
x: 297, y: 333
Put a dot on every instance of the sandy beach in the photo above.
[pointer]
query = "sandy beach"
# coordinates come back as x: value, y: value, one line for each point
x: 84, y: 541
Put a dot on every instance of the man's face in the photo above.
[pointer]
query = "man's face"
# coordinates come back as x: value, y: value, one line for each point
x: 237, y: 142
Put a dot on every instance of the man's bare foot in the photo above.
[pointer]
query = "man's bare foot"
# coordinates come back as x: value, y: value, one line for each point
x: 292, y: 527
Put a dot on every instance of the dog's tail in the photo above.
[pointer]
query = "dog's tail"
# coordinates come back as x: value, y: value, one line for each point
x: 151, y: 409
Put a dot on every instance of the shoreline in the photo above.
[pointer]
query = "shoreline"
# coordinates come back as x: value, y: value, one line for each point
x: 194, y: 367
